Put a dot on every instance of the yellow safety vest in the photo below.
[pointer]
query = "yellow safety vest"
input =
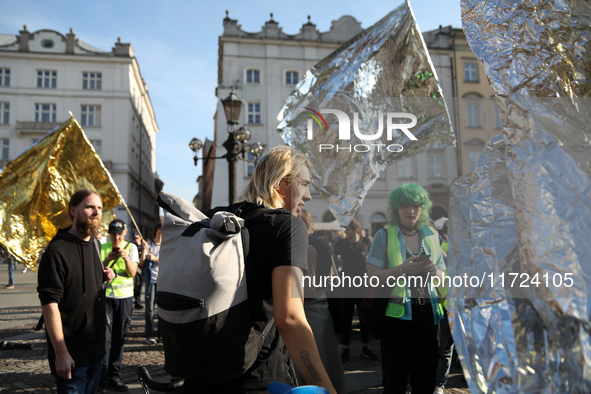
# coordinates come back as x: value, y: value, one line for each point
x: 122, y: 285
x: 395, y: 307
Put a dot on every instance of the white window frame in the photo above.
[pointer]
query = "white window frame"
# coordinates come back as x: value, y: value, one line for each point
x: 97, y: 145
x: 90, y: 115
x: 4, y: 113
x: 473, y: 158
x: 472, y: 115
x: 378, y: 223
x: 249, y: 166
x: 92, y: 80
x: 49, y: 110
x: 402, y: 168
x: 498, y: 123
x: 255, y: 71
x: 251, y: 111
x: 4, y: 148
x: 471, y: 71
x: 47, y: 79
x: 290, y: 73
x: 5, y: 77
x: 432, y: 167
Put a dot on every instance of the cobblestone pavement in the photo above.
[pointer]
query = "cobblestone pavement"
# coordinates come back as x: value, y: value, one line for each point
x: 24, y: 371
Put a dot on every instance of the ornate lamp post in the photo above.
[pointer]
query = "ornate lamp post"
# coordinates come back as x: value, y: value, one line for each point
x: 235, y: 144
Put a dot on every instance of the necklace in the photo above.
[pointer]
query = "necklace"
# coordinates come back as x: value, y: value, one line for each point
x: 411, y: 254
x: 409, y: 234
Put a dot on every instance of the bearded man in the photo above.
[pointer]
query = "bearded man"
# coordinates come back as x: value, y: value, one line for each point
x: 71, y: 290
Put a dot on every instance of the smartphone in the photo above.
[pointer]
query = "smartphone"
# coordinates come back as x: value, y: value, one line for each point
x: 115, y: 248
x: 422, y: 257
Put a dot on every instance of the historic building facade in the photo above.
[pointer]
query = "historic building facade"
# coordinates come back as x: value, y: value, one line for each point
x: 44, y: 75
x: 263, y: 69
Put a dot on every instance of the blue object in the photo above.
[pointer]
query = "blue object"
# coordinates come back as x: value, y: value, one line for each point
x: 282, y: 388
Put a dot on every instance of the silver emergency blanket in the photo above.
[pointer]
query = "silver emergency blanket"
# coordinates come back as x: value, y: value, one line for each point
x: 385, y: 69
x: 522, y: 221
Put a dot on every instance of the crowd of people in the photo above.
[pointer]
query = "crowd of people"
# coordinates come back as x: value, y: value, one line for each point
x: 88, y: 291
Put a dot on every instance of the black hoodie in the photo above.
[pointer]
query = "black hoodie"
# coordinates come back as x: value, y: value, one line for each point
x: 71, y: 275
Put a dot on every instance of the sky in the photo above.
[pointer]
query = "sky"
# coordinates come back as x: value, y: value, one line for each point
x: 176, y: 46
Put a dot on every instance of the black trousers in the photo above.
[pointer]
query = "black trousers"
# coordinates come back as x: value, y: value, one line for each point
x: 349, y: 304
x: 410, y: 347
x: 118, y: 323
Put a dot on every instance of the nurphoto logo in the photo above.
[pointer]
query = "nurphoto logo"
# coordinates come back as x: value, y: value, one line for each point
x: 345, y: 130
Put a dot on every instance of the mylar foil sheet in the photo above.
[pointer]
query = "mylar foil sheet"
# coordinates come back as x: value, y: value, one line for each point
x: 525, y: 212
x: 385, y: 69
x: 35, y: 189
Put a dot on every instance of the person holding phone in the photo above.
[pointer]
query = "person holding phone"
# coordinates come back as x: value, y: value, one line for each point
x: 408, y: 247
x: 122, y: 257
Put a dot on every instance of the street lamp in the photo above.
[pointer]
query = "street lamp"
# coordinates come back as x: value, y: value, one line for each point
x: 235, y: 144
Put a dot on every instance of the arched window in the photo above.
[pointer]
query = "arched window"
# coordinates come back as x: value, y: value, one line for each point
x: 378, y: 222
x: 328, y: 217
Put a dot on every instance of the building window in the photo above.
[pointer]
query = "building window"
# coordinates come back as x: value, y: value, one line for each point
x: 4, y: 113
x: 92, y: 81
x: 91, y: 115
x: 473, y: 158
x: 97, y: 144
x: 45, y: 112
x: 498, y: 124
x: 292, y: 78
x: 404, y: 168
x: 46, y: 79
x: 435, y: 166
x: 249, y: 170
x: 470, y: 72
x: 472, y: 114
x: 4, y: 77
x: 254, y: 113
x: 4, y: 148
x: 253, y: 76
x: 378, y: 222
x: 47, y: 43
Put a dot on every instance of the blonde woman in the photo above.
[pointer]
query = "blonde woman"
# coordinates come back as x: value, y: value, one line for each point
x: 276, y: 258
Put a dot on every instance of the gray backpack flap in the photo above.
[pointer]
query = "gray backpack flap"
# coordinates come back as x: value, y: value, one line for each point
x: 203, y: 309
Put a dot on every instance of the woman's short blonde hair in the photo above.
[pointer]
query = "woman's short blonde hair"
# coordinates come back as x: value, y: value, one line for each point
x: 276, y: 166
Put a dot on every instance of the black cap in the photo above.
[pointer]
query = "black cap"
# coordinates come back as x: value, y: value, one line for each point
x: 117, y: 226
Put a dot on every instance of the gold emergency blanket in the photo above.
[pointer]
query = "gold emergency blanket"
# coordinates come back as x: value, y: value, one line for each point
x: 36, y: 187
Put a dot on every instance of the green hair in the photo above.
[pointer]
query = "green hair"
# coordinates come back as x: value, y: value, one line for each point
x: 407, y: 194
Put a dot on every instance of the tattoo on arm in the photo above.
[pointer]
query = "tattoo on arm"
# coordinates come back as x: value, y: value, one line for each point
x: 308, y: 363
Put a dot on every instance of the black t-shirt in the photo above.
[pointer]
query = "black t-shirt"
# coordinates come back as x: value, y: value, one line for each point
x: 353, y: 256
x: 276, y: 238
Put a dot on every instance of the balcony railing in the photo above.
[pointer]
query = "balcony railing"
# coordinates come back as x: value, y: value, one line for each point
x: 36, y: 127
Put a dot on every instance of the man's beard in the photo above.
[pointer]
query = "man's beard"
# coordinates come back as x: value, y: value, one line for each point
x: 89, y: 227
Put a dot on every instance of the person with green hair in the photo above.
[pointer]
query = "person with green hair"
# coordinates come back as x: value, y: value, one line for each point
x: 404, y: 257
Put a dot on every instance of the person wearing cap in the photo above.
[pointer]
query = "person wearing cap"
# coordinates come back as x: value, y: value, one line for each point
x: 122, y: 257
x: 138, y: 280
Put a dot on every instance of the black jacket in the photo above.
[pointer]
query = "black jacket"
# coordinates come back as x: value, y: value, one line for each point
x: 71, y: 275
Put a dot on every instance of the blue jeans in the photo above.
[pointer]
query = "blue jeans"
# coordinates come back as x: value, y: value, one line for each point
x: 11, y: 265
x: 78, y: 386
